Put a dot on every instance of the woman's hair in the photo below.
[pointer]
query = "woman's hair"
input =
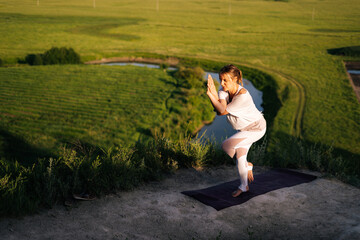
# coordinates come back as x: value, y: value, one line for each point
x: 233, y: 71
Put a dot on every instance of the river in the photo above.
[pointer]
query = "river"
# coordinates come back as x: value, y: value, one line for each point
x: 219, y: 129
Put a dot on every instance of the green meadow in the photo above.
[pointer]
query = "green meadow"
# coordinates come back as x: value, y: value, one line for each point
x: 285, y: 42
x: 46, y: 107
x: 288, y: 40
x: 100, y: 105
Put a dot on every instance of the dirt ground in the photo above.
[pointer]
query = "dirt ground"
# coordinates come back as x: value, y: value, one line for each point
x: 321, y: 209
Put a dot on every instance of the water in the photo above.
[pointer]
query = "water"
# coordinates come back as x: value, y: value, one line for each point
x: 354, y: 71
x: 136, y: 64
x: 219, y: 129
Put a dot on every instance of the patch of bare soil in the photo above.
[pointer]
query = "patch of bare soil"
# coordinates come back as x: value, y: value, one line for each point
x: 321, y: 209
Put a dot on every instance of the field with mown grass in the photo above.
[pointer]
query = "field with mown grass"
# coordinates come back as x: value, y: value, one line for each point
x: 286, y: 39
x: 49, y: 106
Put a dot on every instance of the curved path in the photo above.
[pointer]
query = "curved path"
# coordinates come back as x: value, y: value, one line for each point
x: 301, y: 99
x: 299, y: 113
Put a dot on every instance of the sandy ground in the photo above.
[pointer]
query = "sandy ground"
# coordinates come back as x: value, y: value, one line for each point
x: 321, y: 209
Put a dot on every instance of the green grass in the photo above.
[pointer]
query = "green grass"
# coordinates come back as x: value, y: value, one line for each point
x: 44, y: 107
x: 288, y: 40
x: 100, y: 105
x: 82, y: 168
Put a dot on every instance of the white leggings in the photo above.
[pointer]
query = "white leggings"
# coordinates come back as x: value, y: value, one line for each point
x: 239, y: 144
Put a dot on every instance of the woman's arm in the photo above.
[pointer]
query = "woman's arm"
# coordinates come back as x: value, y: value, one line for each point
x: 218, y: 104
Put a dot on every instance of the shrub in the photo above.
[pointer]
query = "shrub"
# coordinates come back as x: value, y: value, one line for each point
x: 1, y: 62
x: 164, y: 66
x: 34, y: 59
x: 54, y: 56
x: 190, y: 77
x: 189, y: 104
x: 60, y: 56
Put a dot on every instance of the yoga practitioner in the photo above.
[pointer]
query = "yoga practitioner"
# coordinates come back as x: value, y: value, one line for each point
x: 236, y: 102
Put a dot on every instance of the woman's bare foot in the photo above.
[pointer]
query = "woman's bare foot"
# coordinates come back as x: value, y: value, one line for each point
x: 250, y: 173
x: 237, y: 192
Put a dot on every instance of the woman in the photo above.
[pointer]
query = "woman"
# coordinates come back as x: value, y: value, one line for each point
x: 236, y: 102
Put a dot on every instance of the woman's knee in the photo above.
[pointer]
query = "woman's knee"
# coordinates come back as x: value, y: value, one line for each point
x: 226, y: 147
x: 223, y: 145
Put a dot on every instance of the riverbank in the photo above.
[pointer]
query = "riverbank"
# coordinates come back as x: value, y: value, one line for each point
x: 171, y: 61
x: 354, y: 78
x: 322, y: 209
x: 204, y: 128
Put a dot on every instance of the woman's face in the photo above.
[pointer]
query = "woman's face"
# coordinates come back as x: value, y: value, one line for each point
x: 227, y: 82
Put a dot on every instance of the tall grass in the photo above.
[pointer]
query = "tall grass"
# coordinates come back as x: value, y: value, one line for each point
x: 81, y: 168
x: 296, y: 153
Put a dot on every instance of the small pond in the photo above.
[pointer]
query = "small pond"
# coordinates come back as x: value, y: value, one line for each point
x: 219, y: 129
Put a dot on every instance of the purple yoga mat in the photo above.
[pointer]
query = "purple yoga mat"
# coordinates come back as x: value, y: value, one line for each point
x: 219, y: 196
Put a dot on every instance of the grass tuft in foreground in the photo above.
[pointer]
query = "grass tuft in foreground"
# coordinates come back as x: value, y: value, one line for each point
x: 296, y: 153
x: 82, y: 168
x: 99, y: 171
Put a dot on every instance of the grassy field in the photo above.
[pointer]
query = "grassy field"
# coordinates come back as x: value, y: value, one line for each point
x: 47, y: 106
x: 288, y: 40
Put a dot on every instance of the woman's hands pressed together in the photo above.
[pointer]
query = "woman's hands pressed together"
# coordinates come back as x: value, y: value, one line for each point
x: 219, y: 105
x: 211, y: 89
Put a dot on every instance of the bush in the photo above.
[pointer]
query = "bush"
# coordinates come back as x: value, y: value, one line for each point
x: 190, y: 77
x: 60, y: 56
x: 190, y: 106
x: 34, y: 59
x: 164, y: 66
x: 54, y: 56
x: 1, y: 62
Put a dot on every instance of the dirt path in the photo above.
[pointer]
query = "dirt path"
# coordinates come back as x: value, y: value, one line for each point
x: 322, y: 209
x: 301, y: 99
